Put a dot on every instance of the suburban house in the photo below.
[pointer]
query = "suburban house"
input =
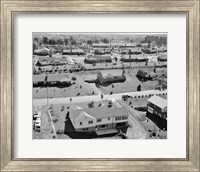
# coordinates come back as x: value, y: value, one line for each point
x: 113, y: 76
x: 100, y: 45
x: 101, y: 51
x: 101, y: 120
x: 162, y: 58
x: 157, y: 106
x: 129, y: 58
x: 52, y: 80
x: 73, y: 52
x: 152, y: 58
x: 42, y: 52
x: 97, y: 59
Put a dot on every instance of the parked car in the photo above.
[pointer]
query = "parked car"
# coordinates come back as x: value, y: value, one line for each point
x: 126, y: 96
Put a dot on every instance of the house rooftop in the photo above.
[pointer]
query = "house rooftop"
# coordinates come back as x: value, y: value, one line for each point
x: 100, y: 112
x: 158, y: 101
x: 112, y: 72
x: 51, y: 78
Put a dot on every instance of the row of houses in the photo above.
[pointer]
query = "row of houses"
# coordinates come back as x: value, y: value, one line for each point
x: 129, y: 58
x: 98, y: 59
x: 52, y: 80
x: 79, y: 52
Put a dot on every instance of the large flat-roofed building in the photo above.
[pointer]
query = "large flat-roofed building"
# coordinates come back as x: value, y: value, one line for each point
x: 157, y: 106
x: 101, y: 120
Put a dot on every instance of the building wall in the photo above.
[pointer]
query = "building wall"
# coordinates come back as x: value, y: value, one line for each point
x: 85, y: 123
x: 162, y: 113
x: 86, y: 129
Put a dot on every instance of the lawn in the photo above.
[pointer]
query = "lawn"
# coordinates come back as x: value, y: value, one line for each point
x: 80, y: 88
x: 131, y: 83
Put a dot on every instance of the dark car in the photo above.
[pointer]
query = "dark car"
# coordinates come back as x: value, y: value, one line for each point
x: 126, y: 96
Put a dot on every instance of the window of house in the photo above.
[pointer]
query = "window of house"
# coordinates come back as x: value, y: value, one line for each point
x: 90, y: 122
x: 99, y: 120
x: 124, y: 117
x: 117, y: 118
x: 108, y: 118
x: 80, y: 123
x: 102, y: 126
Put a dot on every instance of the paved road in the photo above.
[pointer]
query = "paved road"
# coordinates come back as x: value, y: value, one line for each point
x: 63, y: 100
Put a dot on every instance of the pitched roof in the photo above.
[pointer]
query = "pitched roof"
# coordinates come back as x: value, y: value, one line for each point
x: 99, y: 112
x: 99, y: 57
x: 41, y: 50
x: 158, y: 101
x: 101, y: 44
x: 51, y: 77
x: 106, y: 73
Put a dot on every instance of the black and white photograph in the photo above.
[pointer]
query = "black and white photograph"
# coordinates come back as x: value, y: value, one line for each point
x: 99, y: 85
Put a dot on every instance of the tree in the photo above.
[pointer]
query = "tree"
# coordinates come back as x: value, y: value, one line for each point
x: 59, y: 41
x: 72, y: 40
x: 139, y: 87
x: 66, y: 41
x: 35, y: 45
x: 89, y: 42
x: 105, y: 40
x: 110, y: 104
x: 45, y: 40
x: 91, y: 105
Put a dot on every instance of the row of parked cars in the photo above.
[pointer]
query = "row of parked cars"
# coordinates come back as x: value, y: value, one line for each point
x: 37, y: 121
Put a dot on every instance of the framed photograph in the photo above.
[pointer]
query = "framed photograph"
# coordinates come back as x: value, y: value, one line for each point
x: 100, y: 85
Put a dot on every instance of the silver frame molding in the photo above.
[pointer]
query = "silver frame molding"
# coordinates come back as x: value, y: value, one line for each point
x: 10, y: 7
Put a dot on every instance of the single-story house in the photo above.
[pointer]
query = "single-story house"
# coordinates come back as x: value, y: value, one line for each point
x: 113, y: 76
x: 162, y: 58
x: 51, y: 80
x: 157, y: 106
x: 138, y: 58
x: 152, y: 58
x: 101, y: 120
x: 98, y: 59
x: 73, y: 52
x: 42, y: 52
x: 100, y: 45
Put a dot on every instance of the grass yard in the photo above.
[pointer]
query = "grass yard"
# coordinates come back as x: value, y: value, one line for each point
x: 80, y: 88
x: 131, y: 83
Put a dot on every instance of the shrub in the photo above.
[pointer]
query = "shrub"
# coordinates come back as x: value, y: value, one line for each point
x: 73, y: 78
x: 60, y: 131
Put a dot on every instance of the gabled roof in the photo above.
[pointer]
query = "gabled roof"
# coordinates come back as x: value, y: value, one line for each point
x: 99, y: 112
x: 158, y: 101
x: 65, y: 79
x: 101, y: 44
x: 51, y: 77
x: 41, y: 50
x: 105, y: 73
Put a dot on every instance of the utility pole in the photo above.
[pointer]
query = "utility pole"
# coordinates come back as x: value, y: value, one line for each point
x: 46, y: 83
